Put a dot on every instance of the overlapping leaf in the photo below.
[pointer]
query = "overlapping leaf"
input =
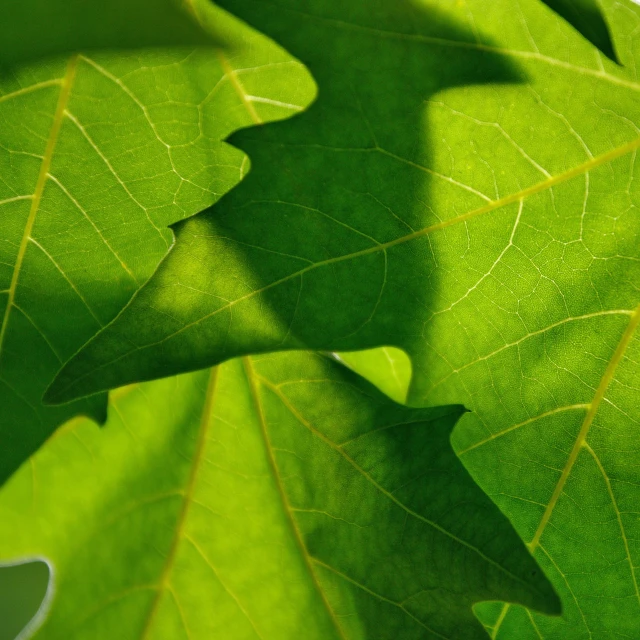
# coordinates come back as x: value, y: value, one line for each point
x: 278, y: 498
x: 98, y: 154
x: 489, y: 231
x: 586, y: 16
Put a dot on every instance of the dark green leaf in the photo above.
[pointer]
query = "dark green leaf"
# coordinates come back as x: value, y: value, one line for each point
x: 23, y: 587
x: 31, y: 29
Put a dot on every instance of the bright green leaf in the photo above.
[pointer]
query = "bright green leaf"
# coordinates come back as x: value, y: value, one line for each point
x: 386, y: 367
x: 98, y: 154
x: 586, y: 16
x: 490, y: 231
x: 280, y: 497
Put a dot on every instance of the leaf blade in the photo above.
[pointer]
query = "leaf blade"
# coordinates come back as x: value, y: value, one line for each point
x: 99, y: 155
x: 278, y: 496
x: 514, y: 314
x: 35, y: 29
x: 586, y: 17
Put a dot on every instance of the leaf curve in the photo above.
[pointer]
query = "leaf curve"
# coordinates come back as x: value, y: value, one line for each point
x: 508, y: 240
x: 98, y: 154
x: 387, y: 368
x: 23, y: 591
x: 276, y: 497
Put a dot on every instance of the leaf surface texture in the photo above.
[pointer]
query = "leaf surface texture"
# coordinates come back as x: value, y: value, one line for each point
x: 277, y: 497
x: 472, y: 198
x: 99, y: 154
x: 32, y: 29
x: 586, y: 16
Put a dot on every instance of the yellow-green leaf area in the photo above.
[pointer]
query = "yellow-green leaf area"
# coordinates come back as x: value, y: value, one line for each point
x: 273, y: 497
x: 99, y: 153
x: 470, y: 198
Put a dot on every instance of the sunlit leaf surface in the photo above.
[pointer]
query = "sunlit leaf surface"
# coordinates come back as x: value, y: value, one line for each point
x: 275, y: 498
x: 98, y: 154
x: 465, y: 188
x: 586, y: 16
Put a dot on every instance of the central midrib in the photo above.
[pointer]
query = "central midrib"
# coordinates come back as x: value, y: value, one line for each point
x: 58, y: 117
x: 252, y: 380
x: 581, y: 438
x: 165, y: 577
x: 580, y: 442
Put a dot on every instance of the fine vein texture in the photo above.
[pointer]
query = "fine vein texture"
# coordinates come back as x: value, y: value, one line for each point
x: 469, y: 194
x: 272, y: 498
x: 586, y: 16
x: 98, y: 154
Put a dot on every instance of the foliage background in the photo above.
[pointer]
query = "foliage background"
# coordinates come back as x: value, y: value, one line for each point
x: 550, y: 262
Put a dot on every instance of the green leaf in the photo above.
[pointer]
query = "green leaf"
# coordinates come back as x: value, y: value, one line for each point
x: 31, y: 29
x: 586, y: 16
x: 490, y: 231
x: 387, y: 368
x: 279, y: 497
x: 98, y: 154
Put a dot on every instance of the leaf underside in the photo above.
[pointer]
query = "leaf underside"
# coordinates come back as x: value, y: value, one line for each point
x: 475, y: 194
x: 277, y: 497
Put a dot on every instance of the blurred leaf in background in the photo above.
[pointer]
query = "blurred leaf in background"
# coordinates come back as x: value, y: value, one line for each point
x: 32, y: 29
